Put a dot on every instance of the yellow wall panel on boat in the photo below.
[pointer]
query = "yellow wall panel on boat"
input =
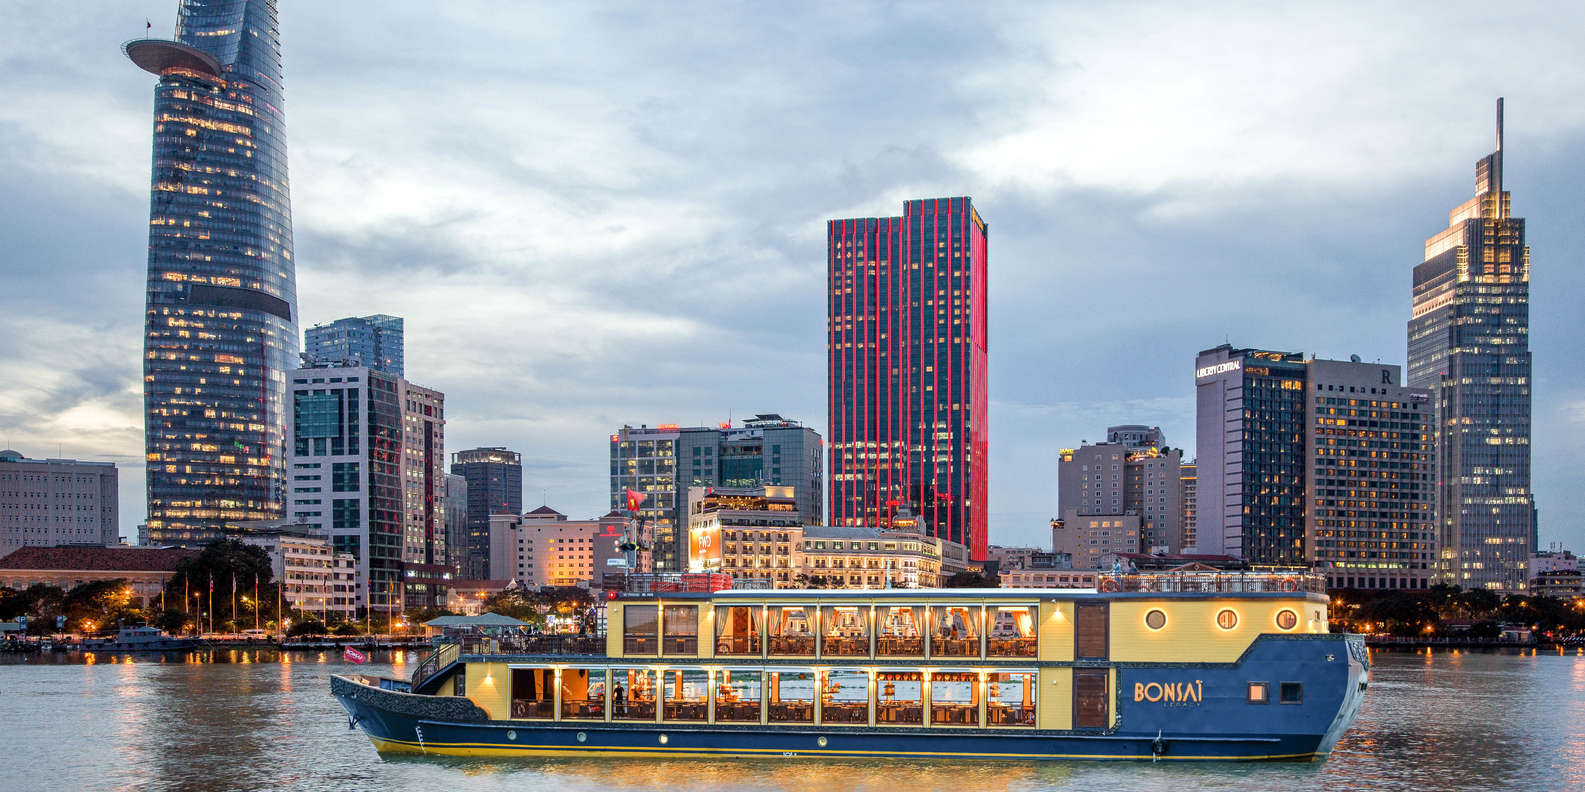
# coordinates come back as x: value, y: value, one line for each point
x: 490, y: 687
x: 1054, y: 636
x: 448, y: 687
x: 1054, y: 698
x: 1192, y: 632
x: 706, y: 630
x: 613, y: 629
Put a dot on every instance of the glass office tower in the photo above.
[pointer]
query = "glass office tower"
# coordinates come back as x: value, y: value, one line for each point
x: 908, y: 369
x: 374, y: 341
x: 221, y: 328
x: 1469, y: 344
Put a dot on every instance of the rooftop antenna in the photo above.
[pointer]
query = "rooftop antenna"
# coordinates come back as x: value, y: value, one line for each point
x: 1496, y: 162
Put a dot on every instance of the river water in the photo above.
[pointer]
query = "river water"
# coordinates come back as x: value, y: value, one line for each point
x: 261, y: 720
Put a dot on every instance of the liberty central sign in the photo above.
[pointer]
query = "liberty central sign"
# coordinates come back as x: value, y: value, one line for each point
x: 1220, y: 368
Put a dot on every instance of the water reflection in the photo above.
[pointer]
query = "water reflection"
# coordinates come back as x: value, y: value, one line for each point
x: 262, y: 719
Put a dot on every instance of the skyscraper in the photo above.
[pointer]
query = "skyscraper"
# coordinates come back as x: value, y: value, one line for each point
x: 374, y: 341
x: 495, y: 486
x: 907, y: 343
x: 1249, y: 431
x: 1469, y: 343
x: 221, y: 320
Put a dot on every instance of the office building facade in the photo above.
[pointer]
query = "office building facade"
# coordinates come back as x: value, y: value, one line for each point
x: 1189, y: 504
x: 1469, y: 345
x: 1134, y: 472
x: 665, y: 461
x: 495, y: 486
x: 456, y: 522
x: 374, y: 341
x: 366, y: 464
x: 49, y: 502
x: 907, y: 344
x: 220, y: 327
x: 1250, y: 438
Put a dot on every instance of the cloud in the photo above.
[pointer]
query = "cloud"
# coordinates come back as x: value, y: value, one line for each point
x: 593, y: 215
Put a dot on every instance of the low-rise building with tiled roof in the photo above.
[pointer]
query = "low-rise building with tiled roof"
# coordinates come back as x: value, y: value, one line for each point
x: 68, y: 566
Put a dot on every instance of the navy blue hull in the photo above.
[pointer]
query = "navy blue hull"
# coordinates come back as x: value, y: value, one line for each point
x: 1215, y: 722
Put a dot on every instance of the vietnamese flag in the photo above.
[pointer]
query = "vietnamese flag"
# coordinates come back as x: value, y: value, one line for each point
x: 354, y: 656
x: 635, y: 500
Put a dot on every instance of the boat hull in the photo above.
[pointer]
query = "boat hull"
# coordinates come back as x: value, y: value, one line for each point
x: 1220, y: 726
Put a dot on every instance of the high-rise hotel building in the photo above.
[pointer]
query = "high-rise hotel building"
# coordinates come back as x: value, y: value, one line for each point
x: 221, y: 320
x: 1315, y: 462
x: 1469, y: 343
x: 907, y: 342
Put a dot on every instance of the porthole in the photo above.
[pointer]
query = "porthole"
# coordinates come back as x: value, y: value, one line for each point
x: 1287, y: 619
x: 1227, y: 619
x: 1156, y: 619
x: 582, y: 737
x: 664, y: 739
x: 821, y: 742
x: 511, y: 734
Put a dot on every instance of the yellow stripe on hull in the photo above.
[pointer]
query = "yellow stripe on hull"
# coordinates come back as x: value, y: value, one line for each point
x: 493, y: 750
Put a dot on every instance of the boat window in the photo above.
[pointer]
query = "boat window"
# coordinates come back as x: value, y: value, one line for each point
x: 459, y: 685
x: 899, y: 631
x: 955, y: 631
x: 638, y: 629
x: 954, y: 698
x: 1012, y: 632
x: 1227, y: 619
x: 687, y: 694
x: 792, y: 698
x: 847, y: 630
x: 737, y: 696
x: 533, y: 693
x: 1156, y: 619
x: 1291, y: 693
x: 899, y: 698
x: 1287, y: 619
x: 583, y: 693
x: 845, y: 696
x: 632, y: 694
x: 737, y: 630
x: 681, y: 623
x: 1258, y: 693
x: 792, y: 630
x: 1010, y: 698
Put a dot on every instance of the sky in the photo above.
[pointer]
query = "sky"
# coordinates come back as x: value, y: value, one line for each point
x: 595, y: 214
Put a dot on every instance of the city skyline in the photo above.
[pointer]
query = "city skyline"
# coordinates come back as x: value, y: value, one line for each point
x: 1245, y: 193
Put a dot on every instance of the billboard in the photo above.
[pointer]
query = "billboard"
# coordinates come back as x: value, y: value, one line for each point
x: 704, y: 549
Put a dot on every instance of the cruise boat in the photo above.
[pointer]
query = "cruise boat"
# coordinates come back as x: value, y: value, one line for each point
x: 139, y: 639
x: 1176, y: 666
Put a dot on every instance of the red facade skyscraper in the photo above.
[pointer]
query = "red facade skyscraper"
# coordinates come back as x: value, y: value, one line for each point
x: 908, y: 385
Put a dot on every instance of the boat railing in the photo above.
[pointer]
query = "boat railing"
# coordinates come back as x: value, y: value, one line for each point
x: 443, y: 656
x: 513, y: 643
x: 1219, y: 582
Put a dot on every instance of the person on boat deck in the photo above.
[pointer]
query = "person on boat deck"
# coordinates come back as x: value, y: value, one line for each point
x: 619, y: 697
x: 1132, y: 570
x: 1117, y: 567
